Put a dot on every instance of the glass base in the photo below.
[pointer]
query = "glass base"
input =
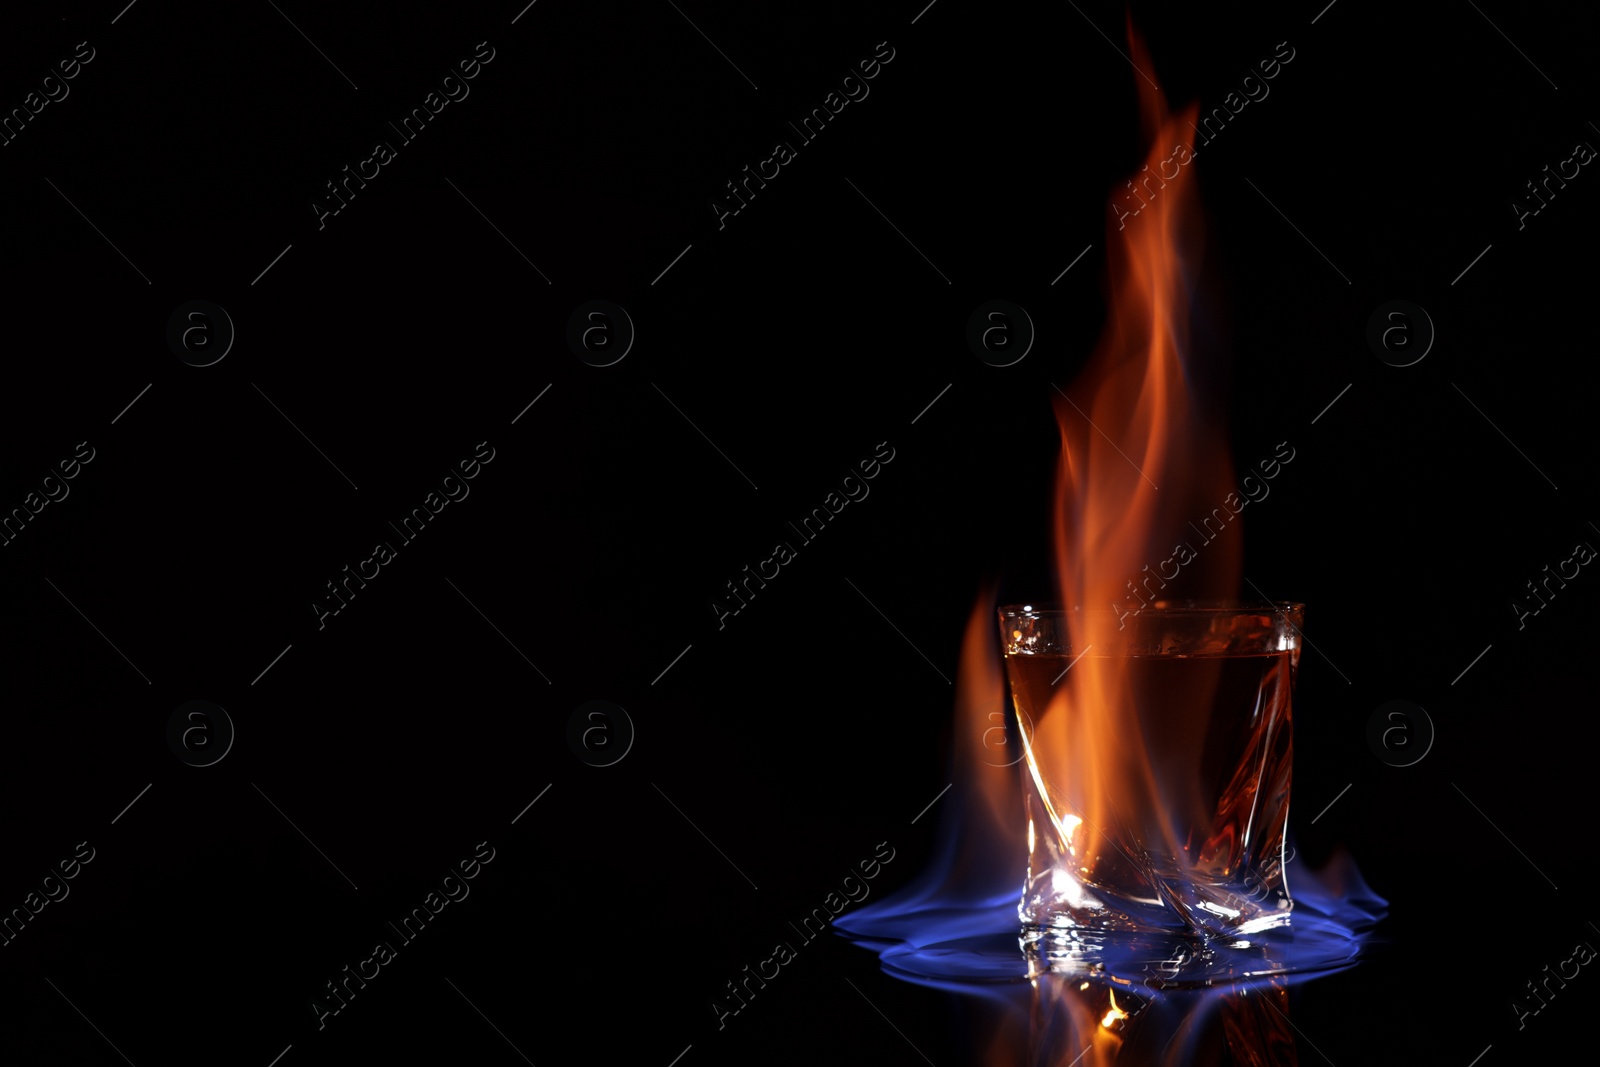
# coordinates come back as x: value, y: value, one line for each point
x: 1157, y: 962
x: 1181, y: 959
x: 1172, y: 902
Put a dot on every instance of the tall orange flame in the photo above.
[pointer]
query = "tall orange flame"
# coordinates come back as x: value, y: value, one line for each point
x: 1140, y: 460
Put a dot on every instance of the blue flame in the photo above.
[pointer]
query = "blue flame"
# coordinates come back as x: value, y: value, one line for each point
x: 957, y: 930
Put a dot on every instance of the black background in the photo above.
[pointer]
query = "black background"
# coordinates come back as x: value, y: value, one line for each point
x: 798, y: 336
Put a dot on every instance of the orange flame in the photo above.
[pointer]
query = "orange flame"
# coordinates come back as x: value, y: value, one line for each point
x: 1140, y: 459
x: 990, y: 820
x: 1114, y: 1016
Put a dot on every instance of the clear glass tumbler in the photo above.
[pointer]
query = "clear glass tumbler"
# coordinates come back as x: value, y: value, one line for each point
x: 1158, y: 748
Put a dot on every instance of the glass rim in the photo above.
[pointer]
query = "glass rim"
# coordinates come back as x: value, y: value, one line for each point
x: 1199, y: 607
